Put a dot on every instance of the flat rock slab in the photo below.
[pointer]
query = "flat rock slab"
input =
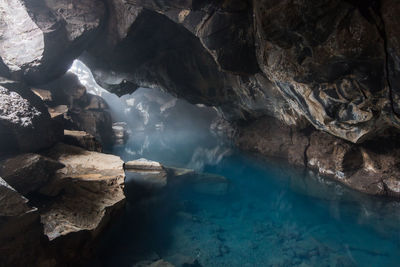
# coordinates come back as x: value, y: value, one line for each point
x: 143, y: 164
x: 93, y: 186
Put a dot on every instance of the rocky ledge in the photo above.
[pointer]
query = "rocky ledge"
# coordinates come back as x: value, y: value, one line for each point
x: 61, y: 200
x: 372, y: 167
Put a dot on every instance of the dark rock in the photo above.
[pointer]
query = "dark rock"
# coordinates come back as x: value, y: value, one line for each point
x: 79, y: 110
x: 371, y: 167
x: 389, y: 11
x: 274, y: 139
x: 82, y: 139
x: 28, y: 172
x: 329, y: 62
x: 95, y: 122
x: 20, y: 228
x: 41, y: 38
x: 25, y: 124
x: 12, y: 203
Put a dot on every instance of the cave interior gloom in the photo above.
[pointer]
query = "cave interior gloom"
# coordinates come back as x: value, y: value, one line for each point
x: 199, y: 133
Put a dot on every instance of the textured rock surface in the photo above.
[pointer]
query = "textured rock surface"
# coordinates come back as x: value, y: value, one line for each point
x: 25, y: 124
x: 331, y: 64
x: 74, y: 205
x: 17, y: 217
x: 320, y: 61
x: 143, y: 164
x: 41, y: 38
x: 80, y: 110
x: 371, y: 167
x: 82, y: 139
x: 28, y: 172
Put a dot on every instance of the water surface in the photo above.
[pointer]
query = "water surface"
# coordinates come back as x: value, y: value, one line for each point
x: 271, y: 215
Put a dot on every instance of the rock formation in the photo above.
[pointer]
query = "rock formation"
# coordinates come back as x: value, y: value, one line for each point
x: 370, y: 167
x: 61, y: 202
x: 315, y: 83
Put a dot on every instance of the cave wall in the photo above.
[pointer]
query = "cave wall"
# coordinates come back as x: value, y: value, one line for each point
x: 332, y: 64
x: 328, y: 65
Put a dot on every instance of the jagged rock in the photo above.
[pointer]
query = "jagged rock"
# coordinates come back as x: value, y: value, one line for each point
x: 93, y: 185
x: 12, y: 203
x: 61, y: 110
x: 80, y: 110
x: 40, y: 39
x: 45, y: 95
x: 95, y: 102
x: 143, y: 164
x: 371, y: 167
x: 317, y: 54
x: 20, y: 228
x: 389, y: 15
x: 95, y: 122
x: 25, y: 124
x: 274, y: 139
x: 28, y: 172
x: 82, y: 139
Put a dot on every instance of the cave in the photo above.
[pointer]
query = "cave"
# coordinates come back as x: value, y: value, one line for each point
x: 199, y: 133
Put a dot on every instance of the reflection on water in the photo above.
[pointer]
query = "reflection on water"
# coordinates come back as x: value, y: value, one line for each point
x: 270, y: 216
x: 267, y: 214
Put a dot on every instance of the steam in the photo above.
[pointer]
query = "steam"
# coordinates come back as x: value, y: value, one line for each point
x: 160, y: 126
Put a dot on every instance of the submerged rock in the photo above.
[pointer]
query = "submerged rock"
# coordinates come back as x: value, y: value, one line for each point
x: 210, y: 184
x: 203, y: 183
x: 147, y: 179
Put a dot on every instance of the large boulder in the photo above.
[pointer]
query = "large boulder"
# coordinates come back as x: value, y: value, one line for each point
x: 25, y: 124
x: 40, y: 39
x: 28, y: 172
x: 93, y: 186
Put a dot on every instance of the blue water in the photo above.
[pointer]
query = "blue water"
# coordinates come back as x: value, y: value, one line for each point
x: 271, y: 215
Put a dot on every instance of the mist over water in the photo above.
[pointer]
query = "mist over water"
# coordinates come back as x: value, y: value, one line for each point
x: 160, y: 126
x: 268, y: 214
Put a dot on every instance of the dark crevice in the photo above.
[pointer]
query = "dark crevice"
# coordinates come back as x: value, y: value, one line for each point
x: 305, y: 157
x: 382, y: 31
